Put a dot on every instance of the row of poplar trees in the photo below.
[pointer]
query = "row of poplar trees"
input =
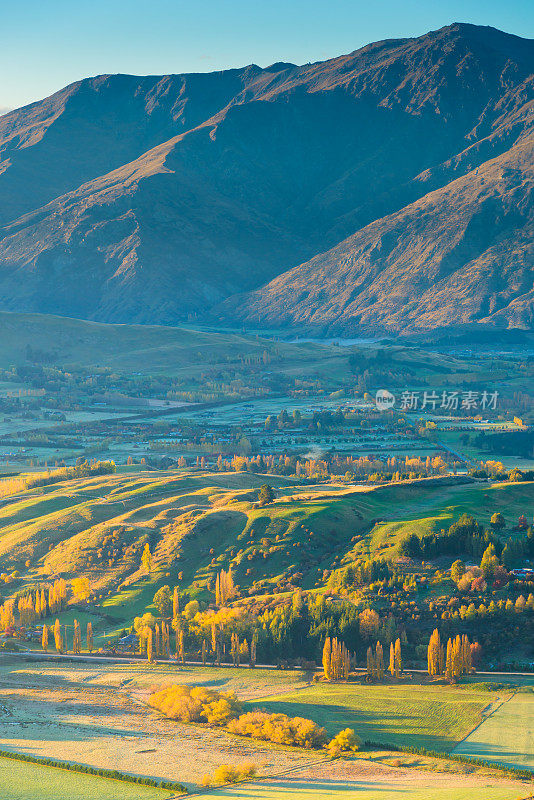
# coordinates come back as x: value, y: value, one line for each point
x: 60, y: 640
x: 452, y: 660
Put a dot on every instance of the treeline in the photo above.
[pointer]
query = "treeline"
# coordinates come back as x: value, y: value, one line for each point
x: 84, y: 469
x: 33, y: 604
x: 466, y: 535
x: 452, y: 660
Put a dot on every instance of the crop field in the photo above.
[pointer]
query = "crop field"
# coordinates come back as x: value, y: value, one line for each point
x: 23, y: 781
x: 434, y: 717
x: 506, y: 735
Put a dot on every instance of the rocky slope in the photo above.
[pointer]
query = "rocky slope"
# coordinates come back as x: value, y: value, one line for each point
x: 154, y: 199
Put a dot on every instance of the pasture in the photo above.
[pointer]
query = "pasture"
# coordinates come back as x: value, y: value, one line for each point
x: 433, y: 717
x: 506, y: 734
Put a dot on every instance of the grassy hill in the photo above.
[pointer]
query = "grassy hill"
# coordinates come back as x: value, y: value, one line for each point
x: 197, y: 523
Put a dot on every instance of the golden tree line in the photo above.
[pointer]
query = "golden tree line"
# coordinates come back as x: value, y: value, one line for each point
x: 452, y: 660
x: 58, y: 632
x: 375, y: 663
x: 156, y: 641
x: 34, y: 605
x: 336, y: 660
x: 224, y: 587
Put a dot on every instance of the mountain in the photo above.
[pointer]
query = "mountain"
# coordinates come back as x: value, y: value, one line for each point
x: 333, y: 194
x: 459, y: 255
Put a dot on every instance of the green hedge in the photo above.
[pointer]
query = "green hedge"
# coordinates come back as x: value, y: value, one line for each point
x: 99, y: 772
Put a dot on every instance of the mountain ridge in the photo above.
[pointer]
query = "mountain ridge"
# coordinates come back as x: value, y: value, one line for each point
x: 185, y: 190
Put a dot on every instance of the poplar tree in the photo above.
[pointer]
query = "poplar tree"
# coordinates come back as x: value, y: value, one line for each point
x: 379, y: 661
x: 327, y: 652
x: 90, y: 637
x: 392, y: 659
x: 44, y: 639
x: 180, y: 645
x: 224, y: 587
x: 150, y: 646
x: 371, y: 668
x: 58, y: 639
x: 175, y: 603
x: 398, y: 658
x: 77, y: 639
x: 435, y: 654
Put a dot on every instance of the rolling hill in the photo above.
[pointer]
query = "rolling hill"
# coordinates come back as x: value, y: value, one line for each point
x: 155, y: 199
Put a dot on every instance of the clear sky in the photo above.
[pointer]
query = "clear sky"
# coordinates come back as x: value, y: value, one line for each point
x: 46, y: 44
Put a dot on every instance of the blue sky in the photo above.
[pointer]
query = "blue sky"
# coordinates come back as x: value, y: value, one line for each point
x: 46, y: 44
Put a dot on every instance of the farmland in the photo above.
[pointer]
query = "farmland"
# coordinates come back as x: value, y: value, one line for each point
x: 96, y: 715
x: 181, y: 460
x: 506, y: 734
x: 430, y: 717
x: 23, y: 781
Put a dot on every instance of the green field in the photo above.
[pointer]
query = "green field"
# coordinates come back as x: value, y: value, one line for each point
x: 365, y: 790
x: 434, y: 717
x: 507, y: 734
x: 20, y: 780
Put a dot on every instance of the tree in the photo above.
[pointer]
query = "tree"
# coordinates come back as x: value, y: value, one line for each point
x: 175, y: 603
x: 398, y: 658
x: 336, y: 660
x: 90, y: 637
x: 379, y: 662
x: 234, y: 649
x: 457, y: 570
x: 146, y: 559
x: 327, y: 652
x: 371, y: 669
x: 489, y: 561
x: 77, y: 638
x: 163, y: 600
x: 150, y: 645
x: 58, y: 638
x: 253, y: 645
x: 266, y: 495
x: 80, y: 588
x: 497, y: 521
x: 435, y: 654
x: 180, y: 650
x: 44, y: 639
x: 224, y: 587
x: 369, y: 622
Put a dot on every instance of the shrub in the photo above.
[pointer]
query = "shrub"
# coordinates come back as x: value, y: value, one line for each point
x: 345, y: 741
x: 195, y: 704
x: 227, y: 774
x: 279, y: 728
